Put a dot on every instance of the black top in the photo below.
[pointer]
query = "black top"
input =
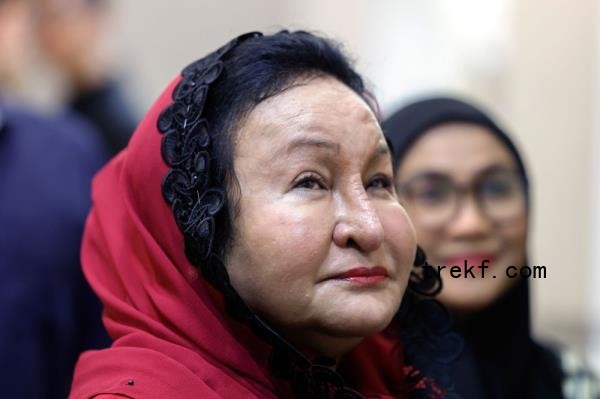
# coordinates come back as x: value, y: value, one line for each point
x: 48, y: 313
x: 106, y: 107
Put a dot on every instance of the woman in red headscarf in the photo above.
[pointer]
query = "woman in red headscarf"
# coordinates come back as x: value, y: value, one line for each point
x: 248, y: 243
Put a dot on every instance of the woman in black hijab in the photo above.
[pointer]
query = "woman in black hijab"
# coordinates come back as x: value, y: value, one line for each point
x: 464, y: 184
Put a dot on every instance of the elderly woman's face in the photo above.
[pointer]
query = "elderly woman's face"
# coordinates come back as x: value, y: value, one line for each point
x: 461, y: 188
x: 322, y: 249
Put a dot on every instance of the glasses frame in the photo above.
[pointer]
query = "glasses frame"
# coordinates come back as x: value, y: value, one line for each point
x: 461, y: 191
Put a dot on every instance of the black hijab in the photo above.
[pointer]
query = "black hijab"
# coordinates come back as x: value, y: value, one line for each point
x: 501, y: 359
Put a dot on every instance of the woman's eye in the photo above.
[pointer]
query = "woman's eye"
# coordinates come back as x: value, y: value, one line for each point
x: 310, y: 183
x: 384, y: 182
x: 432, y: 195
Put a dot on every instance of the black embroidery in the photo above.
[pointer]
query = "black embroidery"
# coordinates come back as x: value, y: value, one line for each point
x: 422, y: 282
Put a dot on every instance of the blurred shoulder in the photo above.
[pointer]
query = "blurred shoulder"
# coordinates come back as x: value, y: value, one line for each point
x: 47, y: 162
x: 61, y: 131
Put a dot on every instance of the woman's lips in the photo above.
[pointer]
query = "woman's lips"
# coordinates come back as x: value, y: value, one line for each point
x: 472, y: 260
x: 363, y: 276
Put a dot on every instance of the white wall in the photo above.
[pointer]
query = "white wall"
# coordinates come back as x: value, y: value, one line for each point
x: 594, y: 238
x: 552, y: 106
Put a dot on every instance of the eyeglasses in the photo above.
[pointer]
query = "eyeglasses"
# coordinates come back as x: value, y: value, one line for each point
x: 434, y: 199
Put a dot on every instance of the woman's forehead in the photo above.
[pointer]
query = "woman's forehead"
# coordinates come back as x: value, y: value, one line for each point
x: 321, y: 110
x: 460, y: 150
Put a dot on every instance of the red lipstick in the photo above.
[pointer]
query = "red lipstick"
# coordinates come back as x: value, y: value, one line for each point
x: 363, y: 275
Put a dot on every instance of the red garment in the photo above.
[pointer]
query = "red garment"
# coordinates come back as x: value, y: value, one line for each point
x: 172, y: 336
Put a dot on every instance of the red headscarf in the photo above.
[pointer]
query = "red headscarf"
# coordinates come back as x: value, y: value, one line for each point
x: 172, y: 335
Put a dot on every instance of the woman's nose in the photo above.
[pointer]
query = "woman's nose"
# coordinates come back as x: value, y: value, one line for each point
x: 469, y: 221
x: 358, y: 224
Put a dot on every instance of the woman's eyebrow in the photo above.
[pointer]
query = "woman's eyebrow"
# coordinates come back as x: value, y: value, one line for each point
x: 381, y: 150
x: 442, y: 174
x: 495, y: 168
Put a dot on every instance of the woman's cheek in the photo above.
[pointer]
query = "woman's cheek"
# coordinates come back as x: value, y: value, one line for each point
x: 514, y: 239
x: 430, y: 241
x: 290, y: 232
x: 400, y: 236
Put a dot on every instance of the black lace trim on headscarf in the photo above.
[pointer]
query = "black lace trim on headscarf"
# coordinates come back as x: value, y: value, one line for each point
x: 196, y: 201
x: 431, y: 345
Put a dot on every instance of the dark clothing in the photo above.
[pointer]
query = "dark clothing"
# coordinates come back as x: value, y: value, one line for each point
x: 48, y: 313
x: 106, y: 107
x: 502, y: 360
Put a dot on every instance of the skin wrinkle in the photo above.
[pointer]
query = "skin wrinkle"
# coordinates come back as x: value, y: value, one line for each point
x: 322, y: 144
x: 290, y: 239
x: 299, y: 81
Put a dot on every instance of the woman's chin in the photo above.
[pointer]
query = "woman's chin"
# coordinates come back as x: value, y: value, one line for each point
x: 360, y: 322
x: 336, y: 337
x: 474, y: 295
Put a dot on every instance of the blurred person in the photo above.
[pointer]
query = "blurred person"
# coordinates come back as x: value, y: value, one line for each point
x: 74, y: 35
x: 14, y: 37
x: 245, y: 247
x: 48, y: 313
x: 465, y: 186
